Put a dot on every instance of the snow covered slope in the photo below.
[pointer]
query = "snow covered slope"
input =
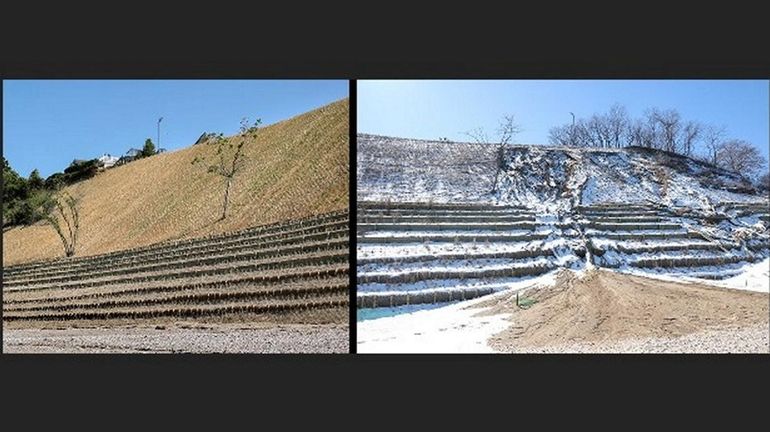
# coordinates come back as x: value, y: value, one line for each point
x: 399, y: 169
x: 439, y: 222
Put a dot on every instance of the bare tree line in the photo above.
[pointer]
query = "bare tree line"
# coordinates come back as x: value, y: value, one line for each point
x: 662, y: 129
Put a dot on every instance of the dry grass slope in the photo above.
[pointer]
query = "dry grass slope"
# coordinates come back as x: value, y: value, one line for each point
x: 296, y: 168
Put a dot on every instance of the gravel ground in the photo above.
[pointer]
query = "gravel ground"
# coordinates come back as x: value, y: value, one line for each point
x: 199, y: 339
x: 753, y: 339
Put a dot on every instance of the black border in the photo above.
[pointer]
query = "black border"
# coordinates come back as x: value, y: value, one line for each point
x: 353, y: 195
x: 635, y: 41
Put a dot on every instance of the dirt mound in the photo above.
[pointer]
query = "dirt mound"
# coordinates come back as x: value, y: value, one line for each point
x: 605, y: 307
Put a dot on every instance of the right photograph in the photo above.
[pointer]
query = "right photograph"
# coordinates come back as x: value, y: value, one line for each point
x: 563, y: 216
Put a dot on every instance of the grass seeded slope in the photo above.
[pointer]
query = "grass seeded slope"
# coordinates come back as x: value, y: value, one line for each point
x: 295, y: 168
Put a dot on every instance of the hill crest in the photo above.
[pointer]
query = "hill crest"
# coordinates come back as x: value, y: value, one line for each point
x: 402, y: 169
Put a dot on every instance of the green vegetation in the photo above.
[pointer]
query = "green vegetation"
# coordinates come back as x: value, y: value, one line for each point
x: 148, y: 149
x: 524, y: 303
x: 81, y: 170
x: 15, y: 193
x: 35, y: 182
x: 26, y: 201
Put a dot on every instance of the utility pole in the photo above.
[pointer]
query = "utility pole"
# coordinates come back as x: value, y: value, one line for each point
x: 572, y: 131
x: 159, y: 120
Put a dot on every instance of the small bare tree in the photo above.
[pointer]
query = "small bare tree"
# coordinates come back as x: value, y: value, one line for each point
x: 507, y: 130
x: 63, y: 209
x: 229, y: 157
x: 478, y: 135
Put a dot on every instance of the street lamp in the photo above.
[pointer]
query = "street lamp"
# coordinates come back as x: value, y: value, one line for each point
x: 159, y: 120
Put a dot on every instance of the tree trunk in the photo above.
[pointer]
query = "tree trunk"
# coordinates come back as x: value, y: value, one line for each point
x: 227, y: 197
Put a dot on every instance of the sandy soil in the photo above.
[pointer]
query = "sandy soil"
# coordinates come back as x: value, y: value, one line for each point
x: 603, y: 311
x: 186, y: 338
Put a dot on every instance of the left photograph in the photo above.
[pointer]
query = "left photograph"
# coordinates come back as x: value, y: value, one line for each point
x: 175, y: 216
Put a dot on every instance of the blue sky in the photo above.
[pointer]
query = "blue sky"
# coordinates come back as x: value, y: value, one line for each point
x: 447, y: 108
x: 47, y: 124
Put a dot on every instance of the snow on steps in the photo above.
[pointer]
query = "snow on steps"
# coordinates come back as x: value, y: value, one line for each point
x: 664, y: 248
x: 447, y: 218
x: 406, y: 276
x: 642, y: 238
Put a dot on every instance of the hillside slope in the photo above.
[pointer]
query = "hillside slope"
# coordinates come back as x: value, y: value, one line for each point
x: 438, y: 221
x: 295, y: 168
x: 401, y: 169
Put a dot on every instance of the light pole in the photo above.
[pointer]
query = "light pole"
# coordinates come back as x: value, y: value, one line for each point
x: 159, y: 120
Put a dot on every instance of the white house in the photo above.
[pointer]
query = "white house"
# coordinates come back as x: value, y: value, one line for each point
x: 108, y: 160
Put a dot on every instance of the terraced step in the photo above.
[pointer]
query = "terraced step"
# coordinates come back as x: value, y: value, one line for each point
x: 432, y: 218
x: 319, y: 259
x: 643, y: 235
x: 163, y: 311
x: 318, y: 232
x: 761, y: 214
x: 456, y: 256
x: 626, y: 219
x: 338, y: 237
x: 201, y: 245
x: 623, y: 213
x: 309, y: 274
x: 745, y: 206
x: 661, y: 247
x: 185, y: 262
x: 615, y: 207
x: 724, y: 272
x: 422, y: 274
x: 441, y: 213
x: 165, y: 265
x: 196, y: 297
x: 430, y: 206
x: 677, y: 261
x: 420, y: 297
x: 452, y: 238
x: 406, y: 226
x: 632, y: 226
x: 757, y: 245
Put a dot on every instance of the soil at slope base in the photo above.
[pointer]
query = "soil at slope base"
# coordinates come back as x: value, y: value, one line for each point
x: 604, y: 308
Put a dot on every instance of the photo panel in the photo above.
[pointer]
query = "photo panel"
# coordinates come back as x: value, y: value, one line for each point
x: 176, y: 216
x: 562, y: 216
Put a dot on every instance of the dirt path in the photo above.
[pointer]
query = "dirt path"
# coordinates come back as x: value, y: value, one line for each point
x: 187, y: 339
x: 607, y: 311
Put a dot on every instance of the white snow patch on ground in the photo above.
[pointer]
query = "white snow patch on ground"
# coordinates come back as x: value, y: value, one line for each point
x: 750, y: 277
x: 450, y: 329
x: 755, y: 277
